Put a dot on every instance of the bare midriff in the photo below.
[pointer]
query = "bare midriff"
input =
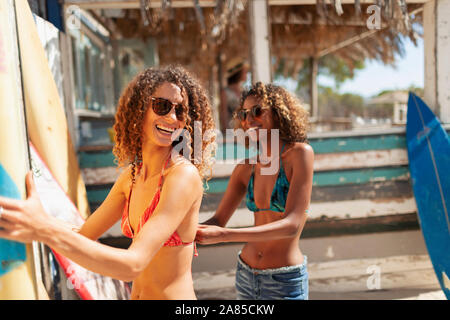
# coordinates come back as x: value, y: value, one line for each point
x: 274, y: 253
x: 167, y: 277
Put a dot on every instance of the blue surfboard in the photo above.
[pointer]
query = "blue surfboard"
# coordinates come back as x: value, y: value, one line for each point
x: 429, y: 165
x: 12, y: 254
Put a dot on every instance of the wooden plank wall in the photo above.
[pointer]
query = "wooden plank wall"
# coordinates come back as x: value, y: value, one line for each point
x: 361, y: 183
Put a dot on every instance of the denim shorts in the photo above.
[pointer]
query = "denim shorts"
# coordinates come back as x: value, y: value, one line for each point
x: 289, y: 283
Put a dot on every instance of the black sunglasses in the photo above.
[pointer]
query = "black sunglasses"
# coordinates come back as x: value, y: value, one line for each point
x: 163, y: 106
x: 256, y: 111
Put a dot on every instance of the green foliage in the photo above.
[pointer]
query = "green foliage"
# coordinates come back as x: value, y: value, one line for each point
x: 334, y: 104
x: 337, y: 69
x: 329, y: 65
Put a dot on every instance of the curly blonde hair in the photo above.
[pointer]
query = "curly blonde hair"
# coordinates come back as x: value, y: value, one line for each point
x: 288, y: 113
x: 133, y: 105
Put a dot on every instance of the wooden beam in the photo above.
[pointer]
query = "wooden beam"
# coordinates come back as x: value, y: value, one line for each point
x: 296, y: 20
x: 261, y: 67
x: 314, y: 61
x: 429, y: 46
x: 347, y: 42
x: 135, y: 4
x: 311, y: 2
x: 437, y: 51
x: 357, y: 38
x: 108, y: 24
x: 442, y: 58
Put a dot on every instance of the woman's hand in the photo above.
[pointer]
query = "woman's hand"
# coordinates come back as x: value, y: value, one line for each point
x: 22, y: 220
x: 208, y: 234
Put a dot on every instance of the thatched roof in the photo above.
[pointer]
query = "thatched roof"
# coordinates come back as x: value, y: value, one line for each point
x: 323, y: 34
x: 195, y: 36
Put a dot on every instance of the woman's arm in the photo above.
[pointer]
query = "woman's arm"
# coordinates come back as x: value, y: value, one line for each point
x: 232, y: 198
x: 26, y: 221
x: 110, y: 211
x: 297, y: 203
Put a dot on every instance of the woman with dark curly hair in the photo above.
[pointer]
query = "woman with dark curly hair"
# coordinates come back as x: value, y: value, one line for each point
x: 157, y: 196
x: 271, y: 265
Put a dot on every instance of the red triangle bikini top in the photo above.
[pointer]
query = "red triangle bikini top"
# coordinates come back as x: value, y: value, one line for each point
x: 127, y: 231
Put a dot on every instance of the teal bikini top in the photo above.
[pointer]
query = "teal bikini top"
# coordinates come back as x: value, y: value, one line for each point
x: 279, y: 193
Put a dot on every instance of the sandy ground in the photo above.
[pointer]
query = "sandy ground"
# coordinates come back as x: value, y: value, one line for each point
x: 397, y: 277
x: 383, y: 266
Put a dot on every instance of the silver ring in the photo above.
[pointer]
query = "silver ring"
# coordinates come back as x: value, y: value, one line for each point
x: 1, y: 211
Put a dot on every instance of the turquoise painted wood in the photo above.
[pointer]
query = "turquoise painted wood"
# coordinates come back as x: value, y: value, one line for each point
x: 321, y: 179
x: 334, y: 178
x: 359, y: 176
x: 330, y: 145
x: 98, y: 195
x: 353, y: 144
x: 101, y: 159
x: 429, y: 162
x: 97, y: 159
x: 12, y: 254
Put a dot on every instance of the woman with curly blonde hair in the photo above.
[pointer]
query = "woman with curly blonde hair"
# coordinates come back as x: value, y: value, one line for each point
x: 156, y: 197
x: 271, y: 265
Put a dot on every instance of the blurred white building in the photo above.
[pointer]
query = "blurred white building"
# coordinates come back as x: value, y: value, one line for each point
x: 399, y: 99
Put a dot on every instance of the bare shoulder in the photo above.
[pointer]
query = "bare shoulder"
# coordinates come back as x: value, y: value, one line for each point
x: 125, y: 173
x: 299, y: 157
x: 123, y: 181
x: 244, y: 167
x: 299, y: 150
x: 184, y: 173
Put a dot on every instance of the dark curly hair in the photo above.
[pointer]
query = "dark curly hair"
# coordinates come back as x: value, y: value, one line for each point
x: 133, y: 105
x: 289, y: 115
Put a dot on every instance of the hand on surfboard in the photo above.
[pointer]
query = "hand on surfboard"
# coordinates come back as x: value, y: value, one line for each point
x: 24, y: 220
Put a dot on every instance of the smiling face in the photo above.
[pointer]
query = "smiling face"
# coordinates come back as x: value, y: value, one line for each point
x: 265, y: 121
x: 159, y: 129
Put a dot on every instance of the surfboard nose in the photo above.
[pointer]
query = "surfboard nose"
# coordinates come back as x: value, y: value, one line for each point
x: 420, y: 119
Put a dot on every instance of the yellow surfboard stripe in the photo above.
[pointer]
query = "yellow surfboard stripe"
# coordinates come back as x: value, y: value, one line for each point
x: 46, y: 120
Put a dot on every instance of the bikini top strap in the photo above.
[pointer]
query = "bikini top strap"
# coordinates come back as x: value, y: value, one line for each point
x: 252, y: 176
x: 282, y: 148
x: 281, y: 151
x: 129, y: 194
x: 195, y: 250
